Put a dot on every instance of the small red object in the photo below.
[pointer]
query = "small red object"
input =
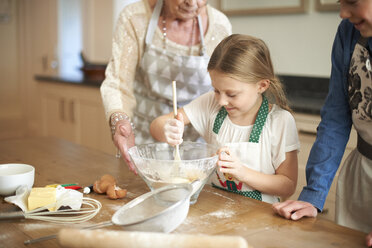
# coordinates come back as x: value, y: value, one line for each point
x: 72, y: 187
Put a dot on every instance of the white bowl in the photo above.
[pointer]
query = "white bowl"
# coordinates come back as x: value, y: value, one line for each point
x: 14, y: 175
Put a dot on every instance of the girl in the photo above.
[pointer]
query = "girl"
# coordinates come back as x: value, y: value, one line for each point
x: 259, y: 140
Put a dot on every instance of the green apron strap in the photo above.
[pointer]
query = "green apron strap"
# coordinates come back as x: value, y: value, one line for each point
x: 258, y: 124
x: 254, y: 137
x: 219, y: 120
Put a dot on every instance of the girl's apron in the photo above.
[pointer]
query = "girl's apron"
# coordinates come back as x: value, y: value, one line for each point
x: 228, y: 182
x: 354, y: 187
x: 153, y: 82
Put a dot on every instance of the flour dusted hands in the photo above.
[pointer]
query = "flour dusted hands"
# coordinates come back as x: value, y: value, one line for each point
x: 173, y: 130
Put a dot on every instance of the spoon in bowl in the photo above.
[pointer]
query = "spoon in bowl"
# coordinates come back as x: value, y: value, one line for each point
x: 177, y: 148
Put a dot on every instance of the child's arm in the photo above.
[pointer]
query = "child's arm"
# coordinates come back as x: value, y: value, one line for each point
x: 174, y: 127
x: 282, y: 184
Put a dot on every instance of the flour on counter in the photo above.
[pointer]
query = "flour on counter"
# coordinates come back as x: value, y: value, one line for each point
x: 4, y: 236
x: 225, y: 197
x: 224, y: 213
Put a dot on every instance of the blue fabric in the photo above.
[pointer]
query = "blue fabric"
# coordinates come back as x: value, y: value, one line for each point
x: 334, y: 129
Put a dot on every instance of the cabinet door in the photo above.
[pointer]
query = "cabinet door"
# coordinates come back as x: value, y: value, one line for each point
x: 75, y: 113
x: 57, y: 117
x: 93, y: 130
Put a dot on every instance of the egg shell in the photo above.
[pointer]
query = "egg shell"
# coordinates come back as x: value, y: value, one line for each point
x: 108, y: 178
x: 96, y: 188
x: 111, y: 192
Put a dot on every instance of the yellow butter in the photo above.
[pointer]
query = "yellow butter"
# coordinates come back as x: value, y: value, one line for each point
x: 40, y: 197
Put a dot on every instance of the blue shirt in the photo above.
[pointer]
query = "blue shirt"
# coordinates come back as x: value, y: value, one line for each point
x: 334, y: 129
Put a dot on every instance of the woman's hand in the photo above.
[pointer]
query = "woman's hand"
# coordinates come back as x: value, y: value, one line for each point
x: 294, y: 209
x: 230, y: 164
x: 173, y: 130
x: 123, y: 140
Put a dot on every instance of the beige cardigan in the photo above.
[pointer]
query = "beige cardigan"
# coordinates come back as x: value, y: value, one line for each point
x: 129, y: 44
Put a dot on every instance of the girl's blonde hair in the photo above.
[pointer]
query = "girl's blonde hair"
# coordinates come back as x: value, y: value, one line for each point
x: 247, y: 59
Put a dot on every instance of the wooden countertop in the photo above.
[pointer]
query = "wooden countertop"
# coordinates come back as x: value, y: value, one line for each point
x: 216, y: 211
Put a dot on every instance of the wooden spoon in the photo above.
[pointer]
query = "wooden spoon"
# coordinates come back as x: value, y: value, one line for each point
x: 177, y: 149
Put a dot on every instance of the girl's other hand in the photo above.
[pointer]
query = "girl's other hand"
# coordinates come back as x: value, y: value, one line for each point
x: 230, y: 164
x: 173, y: 130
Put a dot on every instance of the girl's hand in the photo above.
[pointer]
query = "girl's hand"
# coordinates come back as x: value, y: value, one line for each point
x: 173, y: 130
x: 230, y: 164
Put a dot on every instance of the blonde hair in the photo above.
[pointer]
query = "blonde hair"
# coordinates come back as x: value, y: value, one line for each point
x: 247, y: 59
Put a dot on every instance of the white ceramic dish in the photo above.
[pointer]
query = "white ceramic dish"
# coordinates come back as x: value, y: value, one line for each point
x: 14, y: 175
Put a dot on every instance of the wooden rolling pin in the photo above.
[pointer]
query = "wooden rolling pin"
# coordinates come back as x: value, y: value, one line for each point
x: 77, y: 238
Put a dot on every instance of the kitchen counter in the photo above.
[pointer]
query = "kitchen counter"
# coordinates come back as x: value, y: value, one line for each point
x: 77, y: 79
x: 216, y: 211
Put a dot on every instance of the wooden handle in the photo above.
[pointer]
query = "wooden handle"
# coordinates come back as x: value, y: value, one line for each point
x: 75, y: 238
x: 174, y: 98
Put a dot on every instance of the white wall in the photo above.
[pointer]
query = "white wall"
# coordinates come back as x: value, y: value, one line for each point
x: 300, y: 44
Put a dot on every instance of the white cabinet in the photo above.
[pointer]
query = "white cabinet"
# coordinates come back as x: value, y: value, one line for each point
x: 75, y: 113
x: 306, y: 125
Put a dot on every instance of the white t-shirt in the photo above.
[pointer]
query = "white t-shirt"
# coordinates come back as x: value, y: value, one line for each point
x: 279, y: 135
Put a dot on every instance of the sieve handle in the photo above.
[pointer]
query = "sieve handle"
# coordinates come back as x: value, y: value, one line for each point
x: 12, y: 215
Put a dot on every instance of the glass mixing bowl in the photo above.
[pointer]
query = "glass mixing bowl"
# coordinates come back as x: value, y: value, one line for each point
x: 156, y: 165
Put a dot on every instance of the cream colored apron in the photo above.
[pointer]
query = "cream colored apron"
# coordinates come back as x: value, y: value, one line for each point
x: 354, y: 186
x: 153, y: 82
x: 244, y: 151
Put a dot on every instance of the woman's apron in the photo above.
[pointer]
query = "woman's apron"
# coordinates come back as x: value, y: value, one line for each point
x: 226, y: 181
x: 153, y: 82
x: 354, y: 187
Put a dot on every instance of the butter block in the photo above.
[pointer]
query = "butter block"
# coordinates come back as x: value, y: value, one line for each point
x: 40, y: 197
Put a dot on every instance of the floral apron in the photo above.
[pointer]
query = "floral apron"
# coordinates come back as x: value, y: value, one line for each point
x: 354, y: 186
x: 226, y: 181
x: 153, y: 82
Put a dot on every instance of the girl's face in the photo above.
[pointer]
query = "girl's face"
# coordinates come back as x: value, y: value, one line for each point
x: 241, y: 100
x: 359, y: 12
x: 184, y: 9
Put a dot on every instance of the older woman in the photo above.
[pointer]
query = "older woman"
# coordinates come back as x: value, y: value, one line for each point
x: 156, y: 42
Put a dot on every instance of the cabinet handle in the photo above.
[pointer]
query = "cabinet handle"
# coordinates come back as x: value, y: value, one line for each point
x: 62, y: 109
x: 72, y: 112
x: 307, y: 132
